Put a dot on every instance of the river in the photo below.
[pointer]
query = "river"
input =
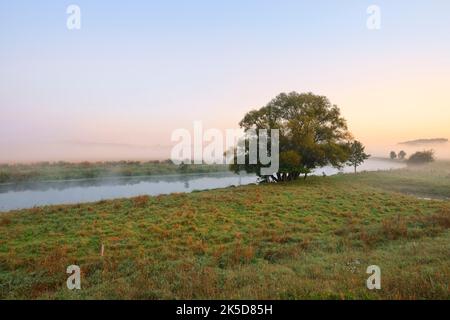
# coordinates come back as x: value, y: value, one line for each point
x: 28, y: 195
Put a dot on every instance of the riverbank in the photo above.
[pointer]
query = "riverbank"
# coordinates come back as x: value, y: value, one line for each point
x: 34, y: 194
x: 57, y: 171
x: 300, y: 240
x: 38, y: 193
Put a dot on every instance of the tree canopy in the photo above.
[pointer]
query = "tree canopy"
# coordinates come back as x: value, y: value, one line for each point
x: 312, y: 134
x: 402, y: 155
x: 357, y: 155
x: 421, y: 157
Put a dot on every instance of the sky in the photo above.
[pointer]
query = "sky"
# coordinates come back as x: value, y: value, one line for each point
x: 137, y: 70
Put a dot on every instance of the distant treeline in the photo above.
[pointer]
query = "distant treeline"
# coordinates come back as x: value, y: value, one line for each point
x: 42, y: 171
x: 419, y: 157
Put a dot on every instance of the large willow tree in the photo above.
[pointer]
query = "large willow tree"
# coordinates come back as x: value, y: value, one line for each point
x: 312, y: 134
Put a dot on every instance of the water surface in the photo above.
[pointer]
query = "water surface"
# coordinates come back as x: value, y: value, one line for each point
x: 28, y: 195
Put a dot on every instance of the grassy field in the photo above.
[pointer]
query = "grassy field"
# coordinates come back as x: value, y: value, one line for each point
x: 50, y: 171
x: 428, y: 181
x: 302, y: 240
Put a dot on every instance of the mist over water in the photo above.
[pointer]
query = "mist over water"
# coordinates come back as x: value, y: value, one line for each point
x: 28, y: 195
x: 70, y: 192
x: 78, y: 152
x: 442, y: 150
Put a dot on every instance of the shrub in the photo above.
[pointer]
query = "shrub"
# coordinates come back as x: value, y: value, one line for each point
x: 421, y: 157
x: 4, y: 177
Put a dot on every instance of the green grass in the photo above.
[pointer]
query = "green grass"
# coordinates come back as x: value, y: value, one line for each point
x: 46, y: 171
x: 302, y: 240
x: 427, y: 181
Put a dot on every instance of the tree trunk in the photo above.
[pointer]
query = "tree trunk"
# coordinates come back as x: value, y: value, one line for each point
x: 355, y: 169
x: 304, y: 177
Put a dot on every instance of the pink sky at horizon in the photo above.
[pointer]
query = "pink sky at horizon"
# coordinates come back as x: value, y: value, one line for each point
x: 116, y: 91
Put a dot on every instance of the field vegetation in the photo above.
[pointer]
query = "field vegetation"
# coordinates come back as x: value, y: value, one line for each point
x: 303, y: 239
x: 49, y: 171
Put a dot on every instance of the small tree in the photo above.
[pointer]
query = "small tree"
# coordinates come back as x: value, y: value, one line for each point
x: 421, y: 157
x: 393, y: 155
x: 402, y: 155
x: 357, y: 154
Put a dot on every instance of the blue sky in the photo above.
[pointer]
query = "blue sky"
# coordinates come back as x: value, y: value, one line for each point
x: 139, y: 69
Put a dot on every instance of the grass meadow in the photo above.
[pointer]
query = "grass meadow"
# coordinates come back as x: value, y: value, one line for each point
x: 308, y: 239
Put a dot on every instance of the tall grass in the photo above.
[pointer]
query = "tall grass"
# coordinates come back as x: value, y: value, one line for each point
x: 302, y: 240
